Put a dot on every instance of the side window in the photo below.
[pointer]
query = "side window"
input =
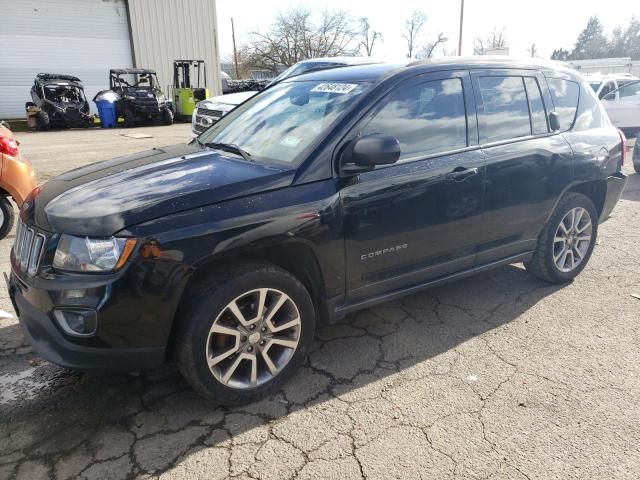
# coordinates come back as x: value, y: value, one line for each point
x: 630, y: 90
x: 506, y: 111
x: 564, y: 94
x: 609, y: 87
x: 427, y: 118
x: 538, y: 113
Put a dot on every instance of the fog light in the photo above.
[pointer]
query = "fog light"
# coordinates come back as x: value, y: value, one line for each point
x: 71, y: 294
x: 80, y: 323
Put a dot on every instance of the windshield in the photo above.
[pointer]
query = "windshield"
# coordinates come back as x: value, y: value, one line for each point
x: 63, y: 93
x: 142, y: 80
x: 279, y: 123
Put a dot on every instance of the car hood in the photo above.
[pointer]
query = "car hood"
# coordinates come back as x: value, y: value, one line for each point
x: 105, y: 197
x: 232, y: 99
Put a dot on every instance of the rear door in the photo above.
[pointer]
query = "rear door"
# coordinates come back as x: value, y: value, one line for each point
x: 418, y: 219
x: 526, y: 165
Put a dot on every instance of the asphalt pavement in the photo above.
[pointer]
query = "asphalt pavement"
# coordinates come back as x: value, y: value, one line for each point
x: 500, y: 376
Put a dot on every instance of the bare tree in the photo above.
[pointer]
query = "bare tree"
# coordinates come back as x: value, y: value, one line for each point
x: 368, y: 36
x: 412, y: 26
x: 496, y: 39
x: 428, y: 49
x: 298, y: 34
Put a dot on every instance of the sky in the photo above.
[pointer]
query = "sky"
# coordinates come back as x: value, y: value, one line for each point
x: 549, y: 24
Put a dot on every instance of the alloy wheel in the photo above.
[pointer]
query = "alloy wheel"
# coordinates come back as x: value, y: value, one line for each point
x: 572, y: 239
x: 253, y: 338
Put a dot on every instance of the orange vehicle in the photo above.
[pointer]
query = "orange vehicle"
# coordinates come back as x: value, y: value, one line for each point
x: 17, y: 178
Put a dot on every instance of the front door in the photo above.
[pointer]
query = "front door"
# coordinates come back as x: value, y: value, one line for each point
x: 418, y: 219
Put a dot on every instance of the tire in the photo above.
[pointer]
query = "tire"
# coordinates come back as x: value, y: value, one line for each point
x: 636, y: 166
x: 543, y: 264
x: 208, y: 305
x: 42, y: 121
x: 167, y: 117
x: 7, y: 217
x: 129, y: 118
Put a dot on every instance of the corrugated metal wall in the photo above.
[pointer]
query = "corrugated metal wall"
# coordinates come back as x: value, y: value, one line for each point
x: 74, y: 37
x: 166, y: 30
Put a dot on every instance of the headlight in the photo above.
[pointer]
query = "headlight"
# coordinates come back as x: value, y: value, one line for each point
x: 84, y: 254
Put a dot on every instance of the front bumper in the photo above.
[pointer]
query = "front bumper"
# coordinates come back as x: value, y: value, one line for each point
x: 615, y: 186
x: 45, y: 338
x: 130, y: 311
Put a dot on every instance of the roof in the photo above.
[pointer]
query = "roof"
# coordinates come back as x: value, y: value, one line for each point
x: 355, y: 73
x: 124, y: 71
x: 602, y: 76
x: 344, y: 60
x: 374, y: 72
x: 51, y: 77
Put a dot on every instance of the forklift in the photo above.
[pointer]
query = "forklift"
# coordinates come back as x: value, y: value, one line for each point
x: 187, y: 93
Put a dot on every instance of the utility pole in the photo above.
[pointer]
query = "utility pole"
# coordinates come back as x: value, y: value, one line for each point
x: 235, y: 52
x: 461, y: 20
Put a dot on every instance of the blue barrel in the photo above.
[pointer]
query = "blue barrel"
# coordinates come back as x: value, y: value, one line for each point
x: 107, y: 113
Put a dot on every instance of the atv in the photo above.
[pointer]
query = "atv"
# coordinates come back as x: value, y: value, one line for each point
x: 139, y: 97
x: 59, y: 101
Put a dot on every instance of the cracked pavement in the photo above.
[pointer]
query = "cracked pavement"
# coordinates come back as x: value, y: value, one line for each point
x: 495, y: 377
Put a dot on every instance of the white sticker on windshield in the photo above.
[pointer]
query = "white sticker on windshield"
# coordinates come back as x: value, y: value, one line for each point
x: 334, y: 87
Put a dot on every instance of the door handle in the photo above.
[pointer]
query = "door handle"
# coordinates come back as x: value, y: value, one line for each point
x: 462, y: 173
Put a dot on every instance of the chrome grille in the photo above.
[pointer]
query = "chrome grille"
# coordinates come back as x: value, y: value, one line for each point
x: 210, y: 113
x: 28, y: 248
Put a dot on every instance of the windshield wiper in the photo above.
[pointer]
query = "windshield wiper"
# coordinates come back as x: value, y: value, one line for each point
x: 232, y: 148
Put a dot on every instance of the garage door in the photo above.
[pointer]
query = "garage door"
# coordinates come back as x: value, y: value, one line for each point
x: 76, y: 37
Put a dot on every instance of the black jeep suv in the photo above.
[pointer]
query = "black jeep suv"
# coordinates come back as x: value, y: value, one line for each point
x: 324, y: 194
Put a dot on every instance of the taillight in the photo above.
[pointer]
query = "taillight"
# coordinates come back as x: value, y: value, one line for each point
x: 8, y: 146
x: 624, y: 147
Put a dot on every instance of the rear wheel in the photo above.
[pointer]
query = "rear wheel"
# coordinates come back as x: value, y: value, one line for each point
x: 43, y: 122
x: 244, y: 332
x: 566, y: 242
x: 636, y: 166
x: 7, y: 217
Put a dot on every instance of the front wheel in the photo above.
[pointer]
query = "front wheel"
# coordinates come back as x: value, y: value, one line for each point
x: 244, y: 332
x: 566, y: 242
x: 167, y: 116
x: 7, y: 217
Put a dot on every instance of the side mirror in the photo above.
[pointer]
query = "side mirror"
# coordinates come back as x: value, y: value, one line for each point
x: 364, y: 153
x: 554, y: 121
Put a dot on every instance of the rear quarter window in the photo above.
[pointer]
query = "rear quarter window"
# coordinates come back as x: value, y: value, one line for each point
x: 591, y: 112
x: 565, y: 95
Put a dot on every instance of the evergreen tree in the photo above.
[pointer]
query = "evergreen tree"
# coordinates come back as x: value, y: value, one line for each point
x: 591, y: 43
x: 560, y: 54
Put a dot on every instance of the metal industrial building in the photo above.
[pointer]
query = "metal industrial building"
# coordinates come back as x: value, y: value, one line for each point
x: 86, y: 38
